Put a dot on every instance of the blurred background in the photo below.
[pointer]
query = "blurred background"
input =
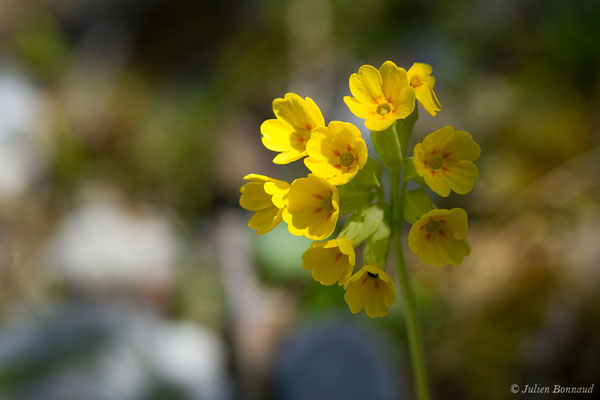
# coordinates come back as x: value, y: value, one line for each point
x: 127, y: 270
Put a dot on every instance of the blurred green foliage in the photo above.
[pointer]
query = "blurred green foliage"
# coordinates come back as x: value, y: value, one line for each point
x: 40, y: 44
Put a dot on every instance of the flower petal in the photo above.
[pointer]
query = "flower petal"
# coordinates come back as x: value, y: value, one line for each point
x: 280, y: 136
x: 355, y: 294
x: 393, y: 80
x: 435, y: 181
x: 314, y: 113
x: 371, y: 300
x: 361, y: 110
x: 278, y: 190
x: 254, y: 197
x: 265, y: 220
x: 458, y: 222
x: 431, y: 253
x: 404, y: 103
x: 287, y: 157
x: 292, y: 110
x: 287, y: 218
x: 440, y: 138
x: 428, y: 99
x: 461, y: 175
x: 321, y: 228
x: 379, y: 124
x: 347, y: 247
x: 389, y: 296
x: 257, y: 178
x: 325, y: 264
x: 462, y: 147
x: 425, y: 68
x: 314, y: 146
x: 454, y: 250
x: 365, y: 85
x: 276, y: 135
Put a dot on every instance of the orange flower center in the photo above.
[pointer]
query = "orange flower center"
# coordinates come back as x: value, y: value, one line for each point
x: 432, y: 226
x: 347, y: 159
x: 384, y: 109
x: 436, y: 163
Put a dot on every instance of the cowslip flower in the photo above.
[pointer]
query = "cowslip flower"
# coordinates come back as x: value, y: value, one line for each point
x: 264, y: 196
x: 372, y: 289
x: 296, y: 119
x: 313, y: 207
x: 380, y: 96
x: 419, y: 77
x: 336, y: 153
x: 445, y: 160
x: 438, y: 237
x: 331, y: 261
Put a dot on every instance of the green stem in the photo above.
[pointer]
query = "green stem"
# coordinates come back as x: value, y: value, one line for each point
x: 408, y: 298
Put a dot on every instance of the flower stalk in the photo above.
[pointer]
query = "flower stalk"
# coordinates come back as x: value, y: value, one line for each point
x: 413, y: 330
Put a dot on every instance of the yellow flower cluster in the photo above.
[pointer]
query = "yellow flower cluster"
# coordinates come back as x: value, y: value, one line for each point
x: 438, y: 237
x: 381, y: 97
x: 445, y: 161
x: 343, y: 179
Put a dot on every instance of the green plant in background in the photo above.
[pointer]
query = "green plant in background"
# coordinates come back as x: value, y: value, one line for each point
x: 345, y: 180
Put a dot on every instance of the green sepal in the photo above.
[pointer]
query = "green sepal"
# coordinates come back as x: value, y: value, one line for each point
x: 404, y: 128
x: 411, y: 174
x: 416, y: 203
x: 354, y: 199
x: 369, y: 176
x: 358, y: 194
x: 387, y: 146
x: 377, y: 246
x: 362, y: 224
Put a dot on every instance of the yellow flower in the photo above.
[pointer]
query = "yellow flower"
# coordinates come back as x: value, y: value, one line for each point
x: 380, y: 97
x: 372, y: 289
x: 438, y: 237
x: 336, y: 153
x: 445, y: 161
x: 331, y: 261
x: 419, y: 77
x: 313, y: 208
x: 264, y: 196
x: 289, y: 132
